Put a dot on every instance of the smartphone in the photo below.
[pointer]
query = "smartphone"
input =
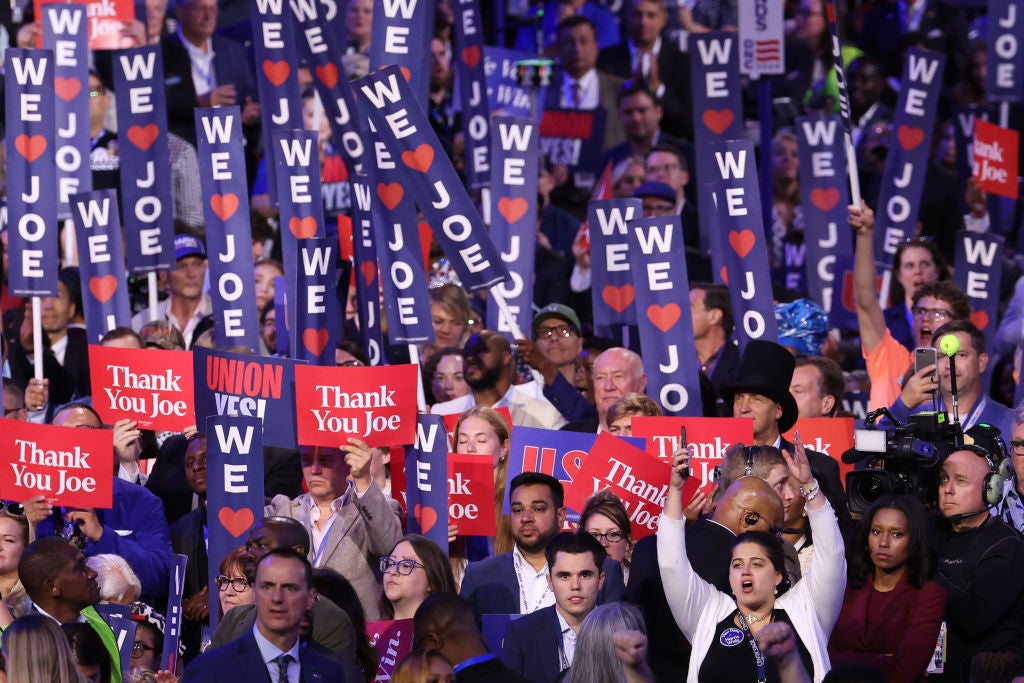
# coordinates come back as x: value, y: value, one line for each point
x: 923, y: 357
x: 682, y: 444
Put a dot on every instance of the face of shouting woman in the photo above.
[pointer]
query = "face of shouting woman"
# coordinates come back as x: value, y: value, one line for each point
x: 753, y: 578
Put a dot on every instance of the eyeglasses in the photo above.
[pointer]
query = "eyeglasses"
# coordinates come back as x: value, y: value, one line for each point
x: 665, y: 168
x: 239, y: 584
x: 16, y: 509
x: 1018, y: 447
x: 610, y: 536
x: 269, y: 324
x: 403, y: 567
x: 139, y: 648
x: 932, y: 313
x: 564, y: 331
x: 97, y: 91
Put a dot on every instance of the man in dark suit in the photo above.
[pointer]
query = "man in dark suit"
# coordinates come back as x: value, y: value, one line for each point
x: 542, y: 645
x: 641, y: 112
x: 444, y: 622
x: 284, y: 593
x: 711, y: 311
x: 516, y: 582
x: 658, y: 64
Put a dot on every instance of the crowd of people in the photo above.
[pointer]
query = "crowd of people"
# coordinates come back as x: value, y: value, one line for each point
x: 774, y: 573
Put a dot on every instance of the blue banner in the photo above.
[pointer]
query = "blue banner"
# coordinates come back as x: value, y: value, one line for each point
x: 101, y: 263
x: 234, y: 490
x: 825, y: 195
x: 401, y: 38
x: 145, y: 160
x: 469, y: 72
x: 66, y: 33
x: 843, y: 314
x: 280, y: 309
x: 273, y: 31
x: 405, y: 133
x: 172, y: 621
x: 505, y: 94
x: 612, y: 282
x: 1004, y: 80
x: 406, y: 298
x: 426, y: 480
x: 316, y: 304
x: 119, y: 618
x: 367, y: 273
x: 907, y: 163
x: 717, y: 116
x: 514, y: 216
x: 252, y: 386
x: 658, y: 257
x: 228, y: 231
x: 31, y: 172
x: 978, y: 273
x: 745, y: 254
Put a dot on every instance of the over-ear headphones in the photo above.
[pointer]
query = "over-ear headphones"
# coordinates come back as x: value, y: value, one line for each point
x: 750, y: 461
x: 992, y: 486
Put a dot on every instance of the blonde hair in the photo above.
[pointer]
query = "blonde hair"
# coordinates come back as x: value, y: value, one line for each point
x: 38, y: 651
x: 415, y: 667
x: 503, y: 541
x: 633, y: 405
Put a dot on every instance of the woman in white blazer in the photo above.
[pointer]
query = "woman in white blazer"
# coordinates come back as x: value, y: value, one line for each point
x: 721, y: 627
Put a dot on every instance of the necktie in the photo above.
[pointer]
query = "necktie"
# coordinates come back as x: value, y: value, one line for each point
x: 282, y: 667
x: 577, y: 95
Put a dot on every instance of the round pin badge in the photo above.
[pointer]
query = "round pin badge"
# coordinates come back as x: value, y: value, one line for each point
x: 731, y: 637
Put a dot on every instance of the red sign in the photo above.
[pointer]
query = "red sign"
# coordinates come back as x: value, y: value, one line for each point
x: 153, y: 387
x: 641, y: 481
x: 392, y: 641
x: 471, y: 494
x: 829, y: 435
x: 377, y: 405
x: 107, y: 21
x: 996, y: 160
x: 71, y: 467
x: 708, y: 438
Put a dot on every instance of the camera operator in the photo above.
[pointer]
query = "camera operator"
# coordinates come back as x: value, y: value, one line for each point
x: 974, y: 407
x: 979, y: 559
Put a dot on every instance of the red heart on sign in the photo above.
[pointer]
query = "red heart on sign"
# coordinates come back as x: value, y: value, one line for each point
x: 405, y: 73
x: 513, y: 209
x: 369, y: 271
x: 237, y: 522
x: 619, y: 298
x: 66, y: 88
x: 909, y: 137
x: 224, y: 206
x: 717, y: 121
x: 276, y: 72
x: 742, y: 242
x: 315, y: 340
x: 390, y: 194
x: 825, y: 199
x: 471, y: 56
x: 103, y: 287
x: 303, y: 228
x: 725, y: 275
x: 419, y: 159
x: 427, y: 517
x: 664, y: 317
x: 328, y: 74
x: 143, y: 136
x: 980, y: 319
x: 30, y: 147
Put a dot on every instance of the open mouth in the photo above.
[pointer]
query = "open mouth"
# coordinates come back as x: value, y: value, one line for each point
x: 747, y: 586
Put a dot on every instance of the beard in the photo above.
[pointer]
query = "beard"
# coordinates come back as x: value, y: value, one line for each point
x: 488, y: 378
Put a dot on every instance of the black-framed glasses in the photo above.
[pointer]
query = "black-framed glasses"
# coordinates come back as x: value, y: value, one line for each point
x: 564, y: 331
x: 403, y: 567
x: 238, y: 584
x: 1018, y: 446
x: 139, y: 648
x: 16, y: 509
x: 614, y: 536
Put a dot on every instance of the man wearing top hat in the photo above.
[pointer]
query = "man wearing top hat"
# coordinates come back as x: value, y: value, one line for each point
x: 761, y: 392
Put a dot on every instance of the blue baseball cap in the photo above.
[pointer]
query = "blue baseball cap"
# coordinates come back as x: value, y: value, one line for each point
x: 188, y: 245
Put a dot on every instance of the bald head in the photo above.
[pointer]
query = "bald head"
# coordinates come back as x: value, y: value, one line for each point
x: 617, y: 373
x: 750, y: 504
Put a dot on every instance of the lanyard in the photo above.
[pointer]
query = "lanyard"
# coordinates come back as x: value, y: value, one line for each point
x: 758, y: 657
x: 973, y: 415
x: 522, y: 590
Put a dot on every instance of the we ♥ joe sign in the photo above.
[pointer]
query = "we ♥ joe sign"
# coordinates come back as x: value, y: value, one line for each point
x: 377, y: 405
x: 152, y: 387
x: 41, y: 460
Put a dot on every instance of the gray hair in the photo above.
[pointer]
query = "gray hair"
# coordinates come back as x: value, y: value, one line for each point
x: 595, y: 660
x: 118, y: 583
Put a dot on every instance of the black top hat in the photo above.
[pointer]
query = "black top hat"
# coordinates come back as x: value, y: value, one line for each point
x: 767, y: 369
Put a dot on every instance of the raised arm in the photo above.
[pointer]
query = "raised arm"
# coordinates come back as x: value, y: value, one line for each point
x: 870, y: 315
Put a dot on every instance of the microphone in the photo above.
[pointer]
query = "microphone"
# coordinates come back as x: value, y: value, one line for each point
x: 950, y: 346
x: 956, y: 519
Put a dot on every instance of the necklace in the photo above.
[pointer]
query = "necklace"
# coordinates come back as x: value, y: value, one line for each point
x: 753, y: 618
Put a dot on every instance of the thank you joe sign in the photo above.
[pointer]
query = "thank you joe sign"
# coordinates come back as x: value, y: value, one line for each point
x: 152, y: 387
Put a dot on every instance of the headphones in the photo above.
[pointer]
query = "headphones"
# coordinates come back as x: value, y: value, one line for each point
x: 992, y: 486
x: 750, y: 462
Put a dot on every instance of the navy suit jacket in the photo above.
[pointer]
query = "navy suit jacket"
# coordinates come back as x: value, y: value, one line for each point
x: 240, y: 660
x: 491, y: 586
x: 531, y: 646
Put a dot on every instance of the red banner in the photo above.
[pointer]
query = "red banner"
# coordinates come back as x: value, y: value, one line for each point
x: 708, y: 437
x: 107, y: 21
x: 639, y: 479
x: 829, y: 435
x: 471, y: 494
x: 392, y: 641
x: 40, y: 459
x: 377, y: 405
x: 996, y: 158
x: 153, y: 387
